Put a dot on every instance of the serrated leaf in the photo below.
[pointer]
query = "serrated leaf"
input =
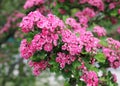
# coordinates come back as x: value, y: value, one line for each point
x: 100, y: 57
x: 93, y: 68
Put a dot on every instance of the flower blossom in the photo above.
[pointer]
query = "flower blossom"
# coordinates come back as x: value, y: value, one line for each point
x: 99, y: 30
x: 64, y: 59
x: 90, y: 78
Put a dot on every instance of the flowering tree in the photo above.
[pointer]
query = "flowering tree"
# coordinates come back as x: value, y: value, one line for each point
x: 75, y: 38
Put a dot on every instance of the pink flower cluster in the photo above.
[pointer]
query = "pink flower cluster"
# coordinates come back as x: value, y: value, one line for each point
x: 74, y: 40
x: 112, y: 5
x: 50, y: 22
x: 26, y: 50
x: 89, y: 41
x: 85, y: 15
x: 72, y: 43
x: 112, y: 52
x: 97, y: 3
x: 31, y: 3
x: 45, y: 40
x: 99, y: 30
x: 90, y: 78
x: 38, y: 66
x: 50, y: 27
x: 64, y: 59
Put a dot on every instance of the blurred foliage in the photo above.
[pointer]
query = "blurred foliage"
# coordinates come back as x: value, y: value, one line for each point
x: 13, y: 71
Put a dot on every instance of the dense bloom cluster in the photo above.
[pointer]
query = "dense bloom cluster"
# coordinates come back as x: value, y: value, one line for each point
x: 90, y: 77
x: 38, y: 66
x: 85, y: 15
x: 99, y: 30
x: 72, y: 43
x: 25, y: 49
x: 69, y: 42
x: 31, y: 3
x: 97, y: 3
x: 64, y: 59
x: 90, y: 42
x: 113, y: 52
x: 36, y: 18
x: 46, y: 39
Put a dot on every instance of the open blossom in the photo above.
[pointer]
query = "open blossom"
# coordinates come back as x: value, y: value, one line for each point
x: 114, y: 44
x: 26, y: 24
x: 48, y: 47
x: 114, y: 77
x: 26, y: 50
x: 72, y: 43
x: 90, y: 78
x: 50, y: 22
x: 99, y: 30
x: 89, y: 41
x: 38, y: 66
x: 85, y: 15
x: 88, y: 12
x: 112, y: 53
x: 64, y: 59
x: 112, y: 5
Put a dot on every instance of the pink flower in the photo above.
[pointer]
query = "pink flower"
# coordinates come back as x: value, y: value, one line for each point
x: 48, y: 47
x: 26, y: 24
x: 36, y: 72
x: 64, y: 59
x: 38, y: 66
x: 119, y: 11
x: 112, y: 5
x: 90, y: 78
x: 100, y: 31
x: 118, y: 30
x: 114, y: 78
x: 26, y: 51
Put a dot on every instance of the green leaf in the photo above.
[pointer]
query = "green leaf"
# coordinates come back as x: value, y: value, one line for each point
x: 103, y: 41
x: 93, y: 68
x: 65, y: 17
x: 76, y: 64
x: 38, y: 56
x: 100, y: 57
x: 77, y: 34
x: 66, y: 84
